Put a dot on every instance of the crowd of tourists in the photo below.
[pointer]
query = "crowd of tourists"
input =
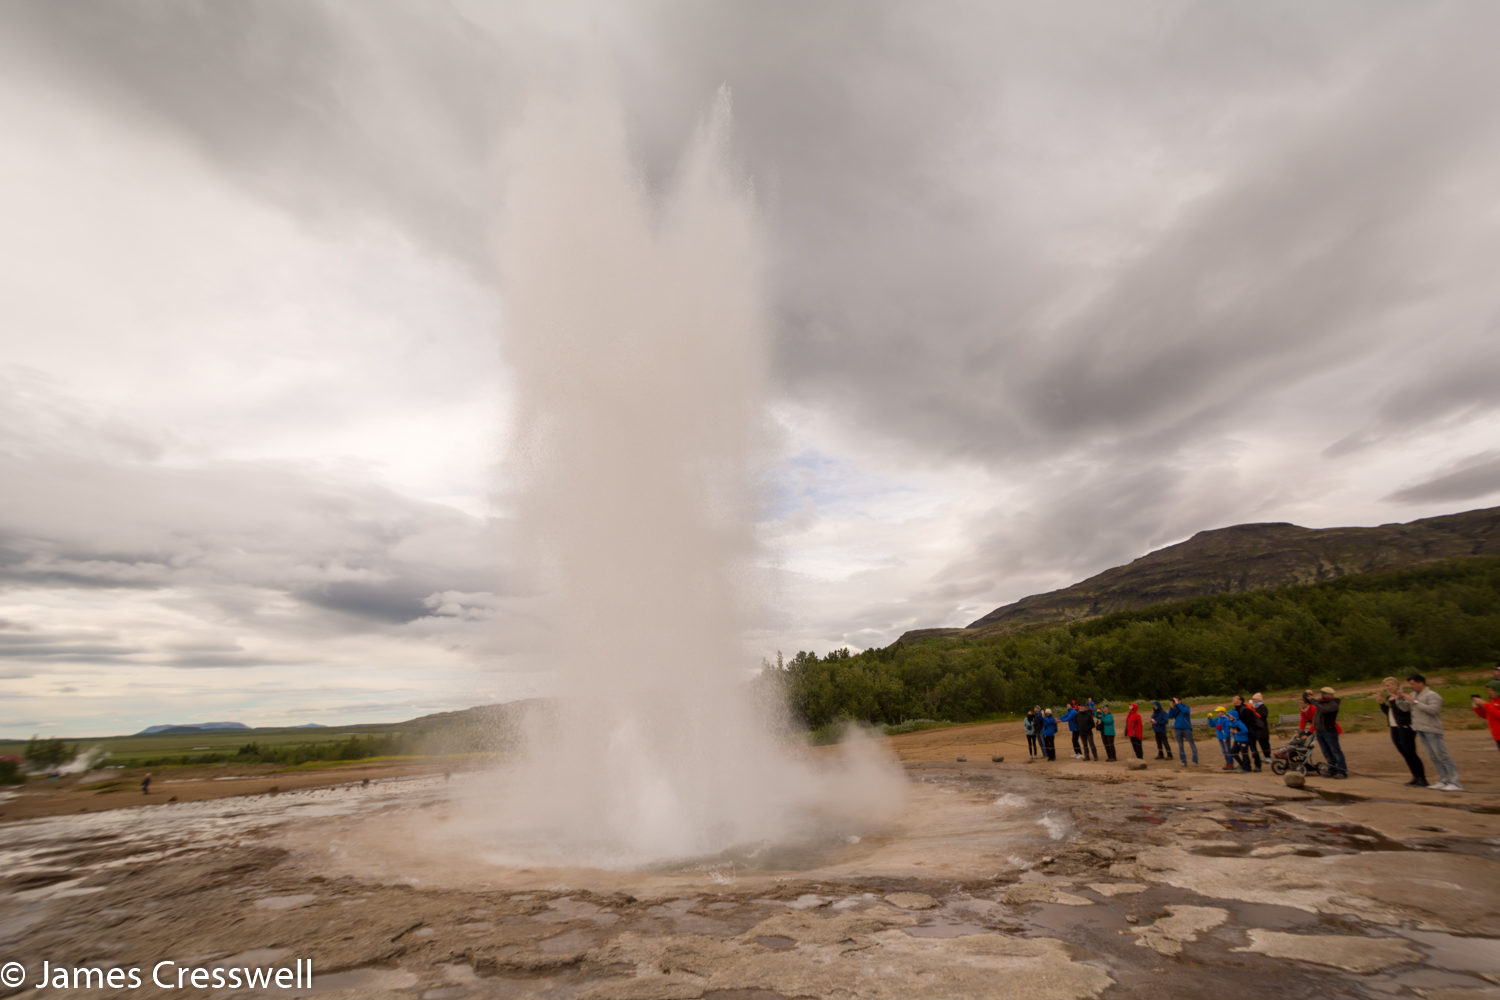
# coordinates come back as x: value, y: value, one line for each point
x: 1243, y: 729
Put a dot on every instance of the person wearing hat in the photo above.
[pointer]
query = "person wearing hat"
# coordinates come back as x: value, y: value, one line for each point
x: 1326, y: 731
x: 1427, y: 720
x: 1494, y: 682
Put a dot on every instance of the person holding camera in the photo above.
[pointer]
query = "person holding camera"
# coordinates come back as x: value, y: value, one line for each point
x: 1398, y: 714
x: 1159, y: 730
x: 1427, y: 720
x: 1181, y: 717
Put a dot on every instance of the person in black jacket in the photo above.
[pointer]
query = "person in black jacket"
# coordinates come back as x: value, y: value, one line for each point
x: 1159, y: 729
x: 1085, y: 721
x: 1398, y: 713
x: 1252, y: 722
x: 1258, y: 703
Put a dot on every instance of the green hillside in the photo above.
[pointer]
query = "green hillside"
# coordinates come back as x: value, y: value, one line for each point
x: 1244, y: 558
x: 486, y: 728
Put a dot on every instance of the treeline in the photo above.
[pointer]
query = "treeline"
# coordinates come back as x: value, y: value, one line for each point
x: 453, y: 738
x: 353, y: 748
x: 48, y: 754
x: 1436, y: 618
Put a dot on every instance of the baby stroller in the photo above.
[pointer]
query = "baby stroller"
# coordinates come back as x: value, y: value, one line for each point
x: 1294, y: 755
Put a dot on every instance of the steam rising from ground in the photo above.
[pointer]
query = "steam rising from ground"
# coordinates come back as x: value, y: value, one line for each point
x: 635, y: 332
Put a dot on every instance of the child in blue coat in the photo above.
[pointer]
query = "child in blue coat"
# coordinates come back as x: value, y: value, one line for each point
x: 1219, y: 719
x: 1239, y: 737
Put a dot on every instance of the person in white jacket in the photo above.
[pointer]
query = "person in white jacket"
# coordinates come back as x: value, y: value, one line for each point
x: 1427, y: 721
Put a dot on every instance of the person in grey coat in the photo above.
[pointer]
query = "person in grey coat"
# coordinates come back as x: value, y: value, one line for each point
x: 1427, y: 720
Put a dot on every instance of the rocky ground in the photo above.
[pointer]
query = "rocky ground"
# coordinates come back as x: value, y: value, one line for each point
x: 999, y: 879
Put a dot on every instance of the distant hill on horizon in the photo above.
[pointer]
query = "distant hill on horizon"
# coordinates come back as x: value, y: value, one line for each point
x: 190, y: 728
x: 1241, y: 558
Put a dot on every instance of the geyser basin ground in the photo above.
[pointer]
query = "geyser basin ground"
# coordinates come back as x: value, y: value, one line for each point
x: 1160, y: 883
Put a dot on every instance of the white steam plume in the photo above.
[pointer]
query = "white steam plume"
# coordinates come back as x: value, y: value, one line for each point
x: 636, y: 337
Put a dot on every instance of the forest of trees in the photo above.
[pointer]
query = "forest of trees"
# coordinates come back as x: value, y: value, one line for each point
x: 353, y: 748
x: 1435, y: 618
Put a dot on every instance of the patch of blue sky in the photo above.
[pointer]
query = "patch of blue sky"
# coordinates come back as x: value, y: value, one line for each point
x: 833, y: 486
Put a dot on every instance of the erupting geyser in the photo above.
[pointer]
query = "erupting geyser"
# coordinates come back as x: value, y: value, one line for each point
x: 636, y: 334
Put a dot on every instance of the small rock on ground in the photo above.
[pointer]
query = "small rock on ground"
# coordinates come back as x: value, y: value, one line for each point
x: 1274, y: 850
x: 1342, y: 951
x: 1185, y: 923
x: 1041, y: 892
x: 911, y: 900
x: 1117, y: 888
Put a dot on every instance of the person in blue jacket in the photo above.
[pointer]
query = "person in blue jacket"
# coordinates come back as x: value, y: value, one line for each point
x: 1182, y: 724
x: 1219, y: 719
x: 1071, y: 718
x: 1239, y: 739
x: 1049, y: 734
x: 1159, y: 729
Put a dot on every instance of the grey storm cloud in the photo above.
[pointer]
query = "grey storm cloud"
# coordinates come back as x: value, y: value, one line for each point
x: 1474, y: 477
x: 884, y: 138
x: 1075, y: 243
x: 387, y: 109
x: 83, y: 509
x: 74, y: 523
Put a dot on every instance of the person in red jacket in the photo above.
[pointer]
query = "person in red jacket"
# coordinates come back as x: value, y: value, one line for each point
x: 1135, y: 729
x: 1304, y: 724
x: 1489, y: 711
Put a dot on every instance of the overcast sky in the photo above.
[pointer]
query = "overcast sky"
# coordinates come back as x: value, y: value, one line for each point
x: 1051, y: 285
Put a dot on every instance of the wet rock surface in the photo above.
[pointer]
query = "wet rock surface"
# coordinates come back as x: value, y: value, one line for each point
x: 1158, y: 885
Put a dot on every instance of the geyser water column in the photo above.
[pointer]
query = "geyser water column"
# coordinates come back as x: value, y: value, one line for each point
x: 635, y: 332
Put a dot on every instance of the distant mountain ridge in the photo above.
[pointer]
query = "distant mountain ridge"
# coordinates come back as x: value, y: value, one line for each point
x: 1242, y: 558
x: 190, y: 728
